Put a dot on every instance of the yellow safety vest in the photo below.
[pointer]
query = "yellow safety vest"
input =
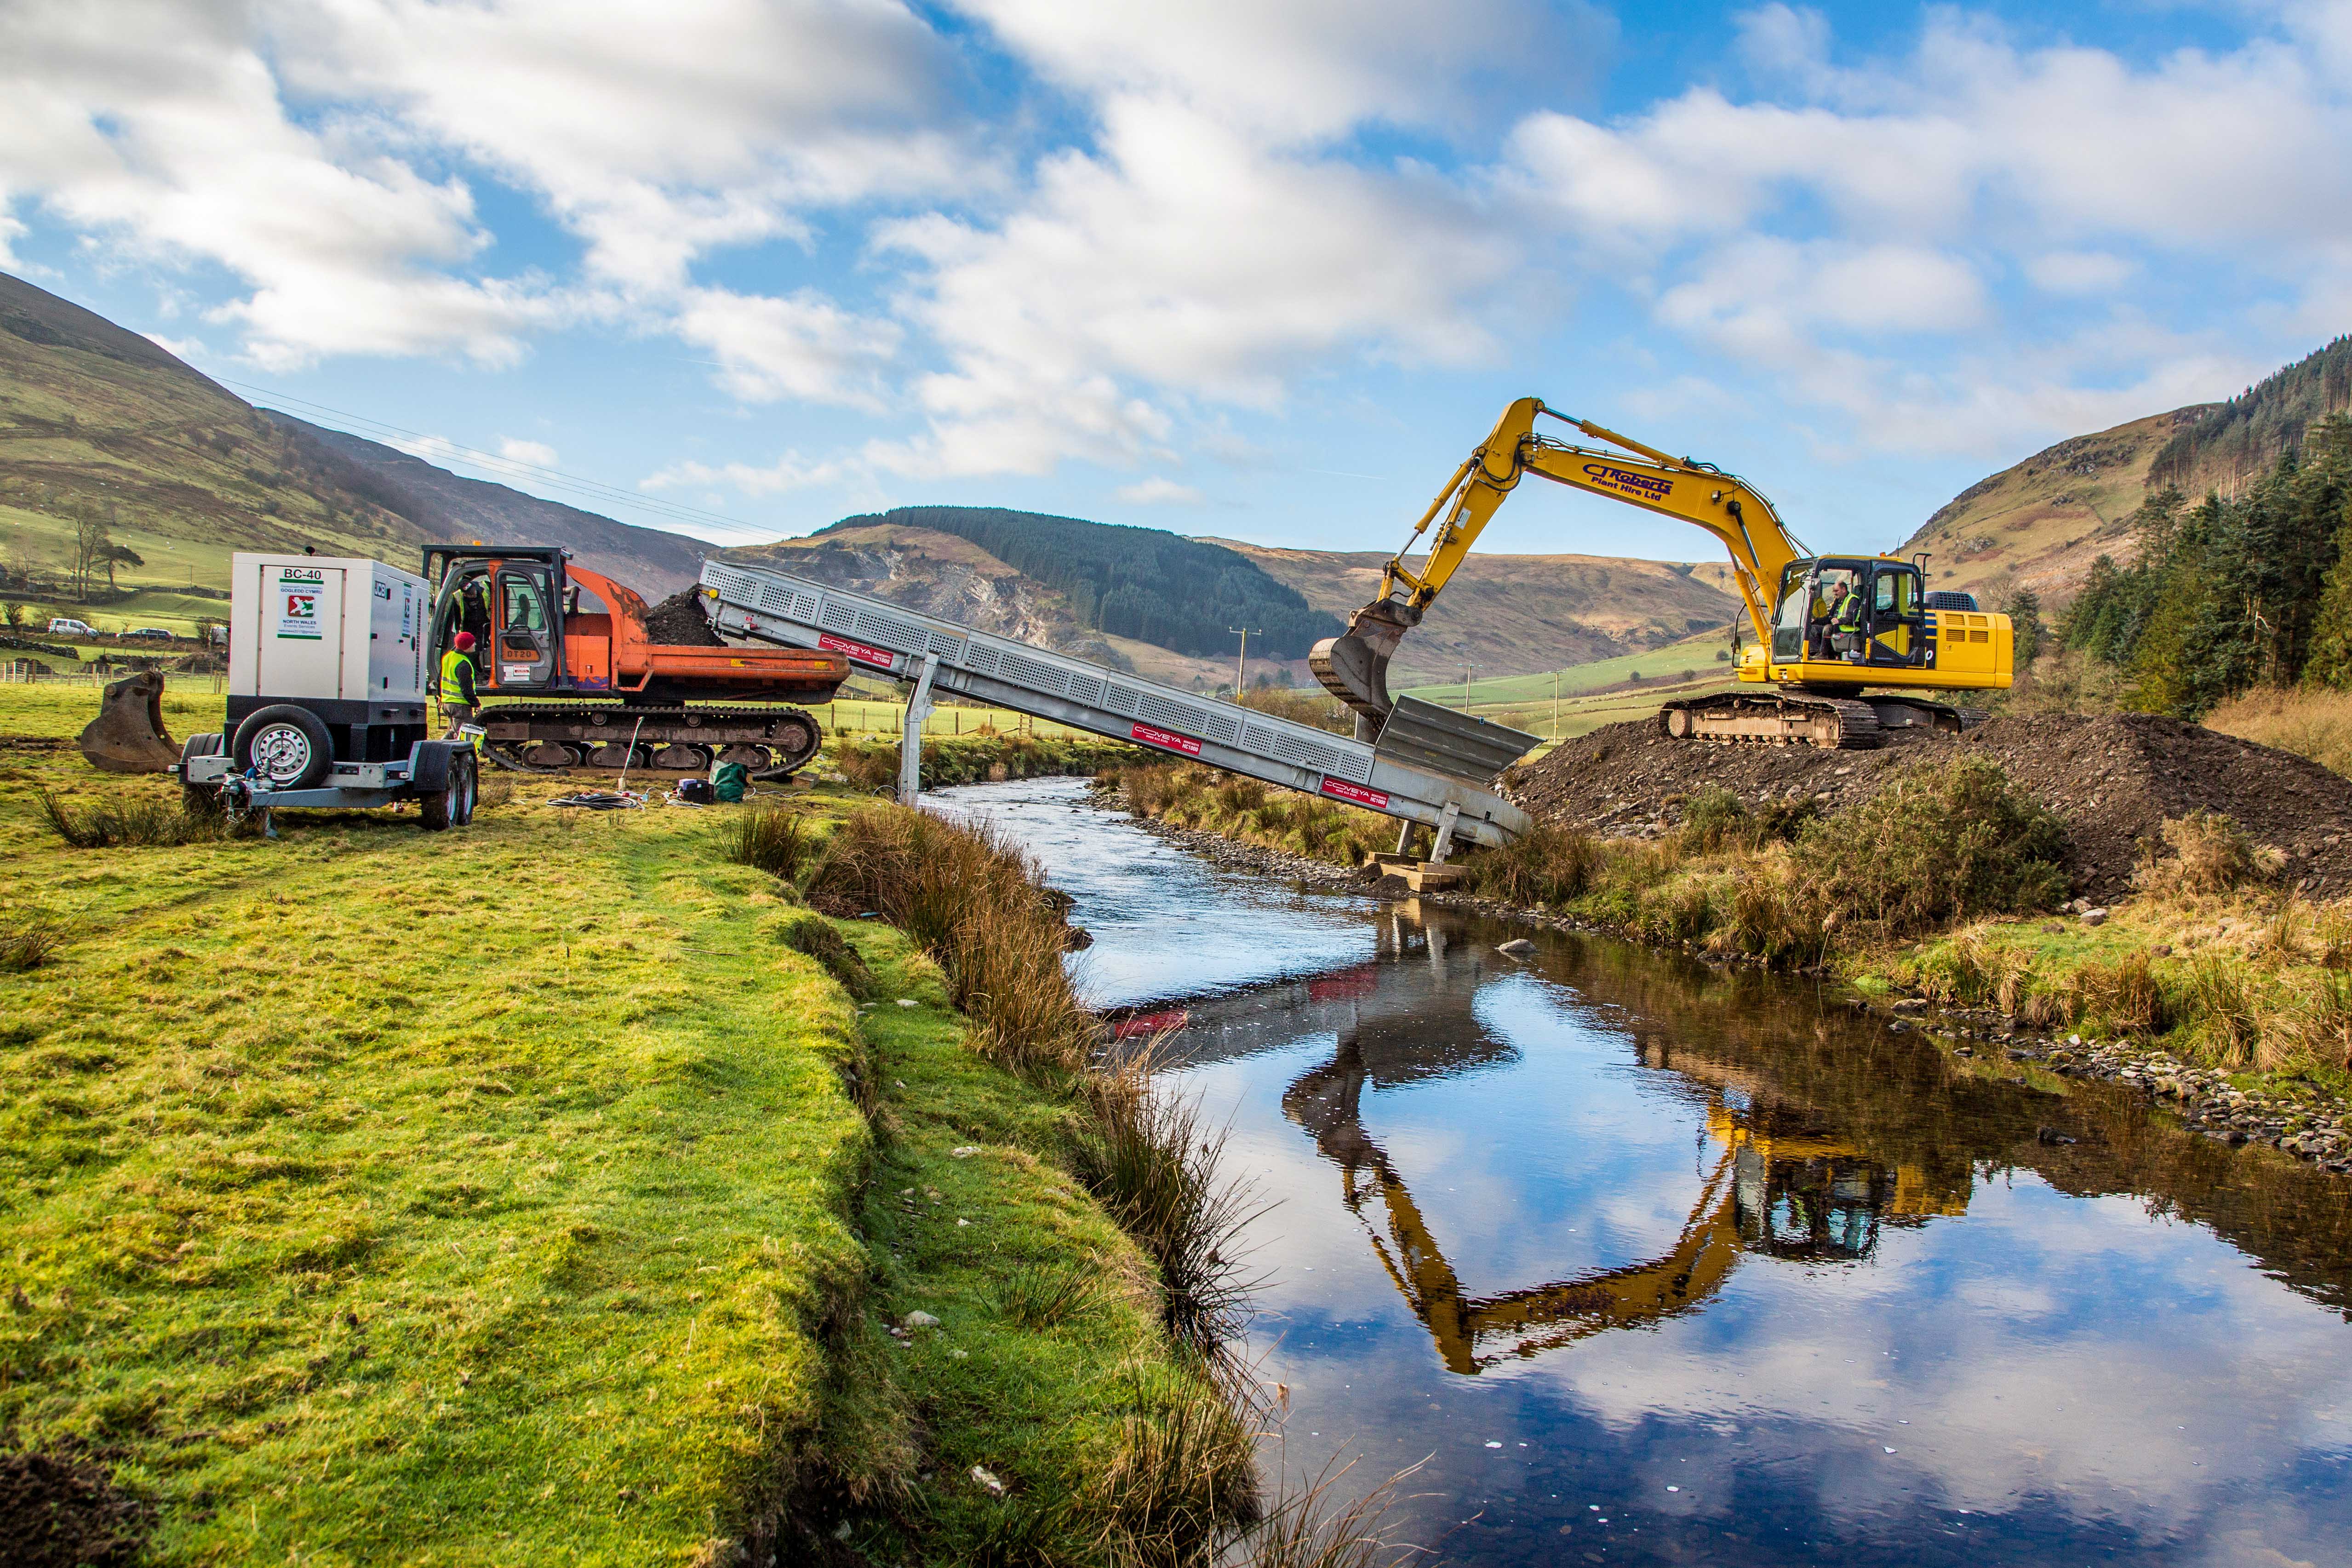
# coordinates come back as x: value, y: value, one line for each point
x: 453, y: 689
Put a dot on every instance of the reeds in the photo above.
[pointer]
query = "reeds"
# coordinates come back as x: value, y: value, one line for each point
x: 772, y: 839
x: 970, y: 898
x: 29, y: 941
x: 142, y: 822
x: 1305, y: 1529
x: 1153, y: 1163
x: 1549, y: 863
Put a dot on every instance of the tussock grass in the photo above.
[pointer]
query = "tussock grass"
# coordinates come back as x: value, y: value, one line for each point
x: 771, y: 839
x: 971, y: 897
x: 28, y: 941
x: 1153, y: 1163
x: 1307, y: 1529
x: 2204, y: 852
x: 131, y: 821
x: 1550, y: 865
x: 1204, y: 798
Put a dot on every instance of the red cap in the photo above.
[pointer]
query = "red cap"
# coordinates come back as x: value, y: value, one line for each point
x: 465, y: 642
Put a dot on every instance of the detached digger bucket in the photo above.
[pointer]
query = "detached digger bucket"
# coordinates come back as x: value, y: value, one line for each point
x: 127, y: 735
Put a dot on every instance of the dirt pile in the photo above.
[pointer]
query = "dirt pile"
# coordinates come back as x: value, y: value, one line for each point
x: 2112, y: 780
x: 678, y: 622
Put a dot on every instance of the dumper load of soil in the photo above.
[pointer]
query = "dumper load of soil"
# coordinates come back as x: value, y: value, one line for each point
x: 678, y: 622
x: 2112, y: 780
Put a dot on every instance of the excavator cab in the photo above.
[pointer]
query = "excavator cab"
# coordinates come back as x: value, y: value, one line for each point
x: 1849, y: 610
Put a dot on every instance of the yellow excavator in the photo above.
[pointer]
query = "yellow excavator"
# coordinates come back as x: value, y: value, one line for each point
x: 1845, y: 647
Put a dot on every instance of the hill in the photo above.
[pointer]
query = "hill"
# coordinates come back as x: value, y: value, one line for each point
x: 1516, y: 615
x: 97, y: 423
x: 2040, y: 525
x: 1144, y: 583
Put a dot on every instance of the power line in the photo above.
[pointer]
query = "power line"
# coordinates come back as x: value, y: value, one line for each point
x: 517, y: 468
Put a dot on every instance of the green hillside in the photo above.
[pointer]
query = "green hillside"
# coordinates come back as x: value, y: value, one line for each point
x: 1140, y: 583
x: 99, y: 427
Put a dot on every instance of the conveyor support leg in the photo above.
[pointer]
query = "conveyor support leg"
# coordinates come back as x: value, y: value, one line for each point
x: 910, y: 738
x: 1445, y: 845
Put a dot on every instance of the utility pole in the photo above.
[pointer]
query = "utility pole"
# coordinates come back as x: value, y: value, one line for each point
x: 1555, y: 705
x: 1466, y: 668
x: 1241, y: 665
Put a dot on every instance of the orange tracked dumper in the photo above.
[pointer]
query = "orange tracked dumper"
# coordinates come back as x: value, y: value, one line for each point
x: 570, y: 674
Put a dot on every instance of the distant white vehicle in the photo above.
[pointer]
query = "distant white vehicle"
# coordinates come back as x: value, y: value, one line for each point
x: 65, y: 627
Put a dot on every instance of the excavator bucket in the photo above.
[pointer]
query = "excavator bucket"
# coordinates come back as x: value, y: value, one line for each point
x: 127, y: 735
x: 1354, y: 665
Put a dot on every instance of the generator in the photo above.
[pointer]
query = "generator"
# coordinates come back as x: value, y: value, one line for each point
x: 326, y: 693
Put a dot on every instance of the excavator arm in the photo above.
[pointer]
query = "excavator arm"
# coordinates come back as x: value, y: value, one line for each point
x: 1353, y: 667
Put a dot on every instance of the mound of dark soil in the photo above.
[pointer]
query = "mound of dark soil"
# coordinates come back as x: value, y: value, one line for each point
x: 64, y: 1512
x: 2112, y: 780
x: 678, y: 622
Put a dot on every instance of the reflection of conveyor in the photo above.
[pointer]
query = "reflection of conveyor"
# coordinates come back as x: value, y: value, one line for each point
x: 1789, y: 1193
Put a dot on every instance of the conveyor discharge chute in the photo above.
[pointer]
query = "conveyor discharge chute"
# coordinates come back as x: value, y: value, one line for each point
x: 1437, y: 771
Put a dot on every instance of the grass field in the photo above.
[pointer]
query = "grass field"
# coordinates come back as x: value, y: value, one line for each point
x: 1526, y: 701
x: 499, y: 1196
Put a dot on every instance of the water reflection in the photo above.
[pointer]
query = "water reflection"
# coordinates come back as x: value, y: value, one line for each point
x: 1763, y: 1282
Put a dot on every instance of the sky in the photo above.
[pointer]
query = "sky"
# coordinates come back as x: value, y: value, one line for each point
x: 1264, y: 269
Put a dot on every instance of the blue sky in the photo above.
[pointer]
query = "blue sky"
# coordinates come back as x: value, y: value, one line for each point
x: 1264, y: 268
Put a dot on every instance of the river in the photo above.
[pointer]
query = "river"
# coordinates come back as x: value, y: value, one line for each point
x: 1648, y: 1262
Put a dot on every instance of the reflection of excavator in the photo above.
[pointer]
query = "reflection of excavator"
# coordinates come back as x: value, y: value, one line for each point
x: 1826, y: 626
x: 548, y: 628
x: 1785, y: 1192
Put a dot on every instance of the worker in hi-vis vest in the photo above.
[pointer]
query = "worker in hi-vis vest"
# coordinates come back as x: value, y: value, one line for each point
x: 460, y: 700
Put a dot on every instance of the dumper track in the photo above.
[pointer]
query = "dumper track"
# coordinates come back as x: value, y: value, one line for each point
x: 549, y: 737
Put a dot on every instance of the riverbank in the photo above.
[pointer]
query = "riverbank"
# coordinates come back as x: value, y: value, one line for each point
x: 2213, y: 990
x: 527, y: 1191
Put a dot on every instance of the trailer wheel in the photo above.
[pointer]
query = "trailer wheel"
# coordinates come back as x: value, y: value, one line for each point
x: 285, y: 744
x: 470, y: 776
x: 199, y: 800
x: 439, y: 809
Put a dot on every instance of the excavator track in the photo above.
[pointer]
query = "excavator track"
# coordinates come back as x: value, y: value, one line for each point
x: 1775, y: 719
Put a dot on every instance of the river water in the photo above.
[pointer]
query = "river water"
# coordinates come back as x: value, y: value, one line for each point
x: 1649, y: 1263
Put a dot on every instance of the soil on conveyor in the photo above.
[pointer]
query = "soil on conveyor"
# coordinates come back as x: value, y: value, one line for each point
x: 678, y: 622
x: 2112, y: 780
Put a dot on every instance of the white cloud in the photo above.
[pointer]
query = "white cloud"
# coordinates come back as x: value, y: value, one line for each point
x: 789, y: 472
x: 1299, y: 70
x: 1178, y: 262
x: 2079, y: 271
x: 1158, y: 491
x: 655, y: 134
x: 539, y: 454
x: 805, y: 346
x: 160, y: 127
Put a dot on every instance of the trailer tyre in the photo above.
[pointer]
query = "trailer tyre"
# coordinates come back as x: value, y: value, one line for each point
x: 468, y: 775
x: 199, y: 800
x: 285, y: 744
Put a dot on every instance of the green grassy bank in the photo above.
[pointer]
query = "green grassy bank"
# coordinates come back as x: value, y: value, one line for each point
x: 525, y: 1194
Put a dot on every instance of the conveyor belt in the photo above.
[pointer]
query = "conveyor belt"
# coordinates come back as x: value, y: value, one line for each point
x: 775, y: 606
